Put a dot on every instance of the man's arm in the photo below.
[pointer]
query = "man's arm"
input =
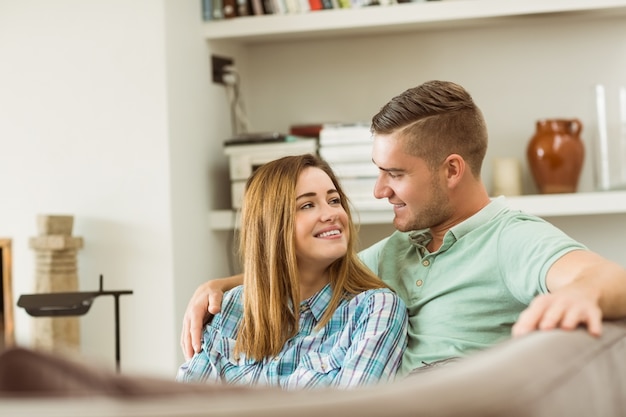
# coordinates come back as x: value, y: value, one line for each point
x: 205, y: 302
x: 584, y: 288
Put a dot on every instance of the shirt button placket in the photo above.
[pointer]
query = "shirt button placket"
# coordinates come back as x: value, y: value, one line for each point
x: 426, y: 264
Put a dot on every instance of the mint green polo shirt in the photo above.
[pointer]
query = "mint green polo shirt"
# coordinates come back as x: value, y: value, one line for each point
x: 467, y: 295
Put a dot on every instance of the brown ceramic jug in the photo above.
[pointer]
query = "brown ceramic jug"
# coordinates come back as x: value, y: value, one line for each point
x: 555, y: 155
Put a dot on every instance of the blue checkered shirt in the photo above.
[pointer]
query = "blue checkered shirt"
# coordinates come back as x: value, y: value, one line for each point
x: 362, y: 344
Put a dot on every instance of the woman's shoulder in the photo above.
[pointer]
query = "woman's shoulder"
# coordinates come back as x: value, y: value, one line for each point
x: 378, y: 296
x: 380, y: 305
x: 235, y: 292
x: 232, y: 305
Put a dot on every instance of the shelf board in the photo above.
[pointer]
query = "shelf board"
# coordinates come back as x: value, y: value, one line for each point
x: 548, y: 205
x: 575, y: 204
x: 397, y: 17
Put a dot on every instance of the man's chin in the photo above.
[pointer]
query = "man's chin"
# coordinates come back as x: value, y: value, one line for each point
x: 400, y: 225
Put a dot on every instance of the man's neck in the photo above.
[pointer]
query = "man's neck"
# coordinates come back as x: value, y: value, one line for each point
x: 467, y: 204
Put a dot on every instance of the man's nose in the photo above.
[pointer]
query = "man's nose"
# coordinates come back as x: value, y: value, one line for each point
x: 381, y: 190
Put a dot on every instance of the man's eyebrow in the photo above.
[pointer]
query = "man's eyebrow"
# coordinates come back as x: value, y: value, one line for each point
x: 392, y: 169
x: 388, y: 169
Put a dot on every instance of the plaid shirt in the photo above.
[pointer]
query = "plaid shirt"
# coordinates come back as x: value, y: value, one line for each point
x: 361, y: 344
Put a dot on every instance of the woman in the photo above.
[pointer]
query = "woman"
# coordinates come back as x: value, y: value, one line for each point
x: 309, y: 314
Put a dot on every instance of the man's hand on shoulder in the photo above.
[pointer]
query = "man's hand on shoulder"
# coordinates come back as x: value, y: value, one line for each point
x: 205, y: 302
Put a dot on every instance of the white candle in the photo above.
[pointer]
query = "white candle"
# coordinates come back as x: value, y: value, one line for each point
x: 507, y: 177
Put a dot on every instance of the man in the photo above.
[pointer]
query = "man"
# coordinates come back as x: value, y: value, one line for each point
x: 470, y: 270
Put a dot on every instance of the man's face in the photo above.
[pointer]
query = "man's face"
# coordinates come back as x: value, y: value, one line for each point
x: 419, y: 195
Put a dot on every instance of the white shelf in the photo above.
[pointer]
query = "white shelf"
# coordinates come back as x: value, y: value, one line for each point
x: 553, y: 205
x: 434, y: 15
x: 398, y: 17
x: 576, y: 204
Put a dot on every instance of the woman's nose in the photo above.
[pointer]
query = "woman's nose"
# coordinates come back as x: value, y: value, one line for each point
x: 329, y: 214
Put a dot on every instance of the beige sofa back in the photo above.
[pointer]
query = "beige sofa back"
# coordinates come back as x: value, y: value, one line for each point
x: 545, y: 374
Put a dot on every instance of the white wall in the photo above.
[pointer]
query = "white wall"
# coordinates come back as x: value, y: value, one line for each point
x: 104, y: 114
x: 199, y: 122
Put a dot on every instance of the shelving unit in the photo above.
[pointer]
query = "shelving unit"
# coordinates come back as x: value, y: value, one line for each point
x: 248, y: 38
x: 553, y: 205
x: 398, y: 17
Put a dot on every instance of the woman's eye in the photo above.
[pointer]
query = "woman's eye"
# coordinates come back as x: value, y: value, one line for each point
x: 334, y: 201
x: 306, y: 206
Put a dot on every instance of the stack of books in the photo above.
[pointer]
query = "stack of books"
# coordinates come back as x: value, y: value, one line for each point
x: 227, y: 9
x: 347, y: 147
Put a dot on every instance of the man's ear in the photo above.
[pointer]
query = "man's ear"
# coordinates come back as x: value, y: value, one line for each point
x: 455, y: 168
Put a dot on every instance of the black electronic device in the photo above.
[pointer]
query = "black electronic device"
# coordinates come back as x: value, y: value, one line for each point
x: 77, y: 303
x: 254, y: 138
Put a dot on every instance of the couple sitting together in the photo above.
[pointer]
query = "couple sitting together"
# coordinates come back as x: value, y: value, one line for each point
x: 461, y: 273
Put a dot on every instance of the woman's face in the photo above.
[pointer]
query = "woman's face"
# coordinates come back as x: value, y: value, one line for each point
x: 321, y: 223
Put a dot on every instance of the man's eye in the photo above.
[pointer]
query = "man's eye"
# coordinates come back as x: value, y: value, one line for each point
x: 392, y: 175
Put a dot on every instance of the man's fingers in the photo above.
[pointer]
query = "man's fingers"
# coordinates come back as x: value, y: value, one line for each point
x: 193, y: 322
x: 185, y: 343
x: 552, y: 317
x: 215, y: 303
x: 592, y: 318
x: 197, y: 315
x: 526, y: 323
x: 548, y: 312
x: 529, y: 319
x: 195, y: 334
x: 594, y: 325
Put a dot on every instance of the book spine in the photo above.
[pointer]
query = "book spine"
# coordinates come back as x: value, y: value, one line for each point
x: 207, y: 10
x: 341, y: 135
x: 257, y: 7
x: 268, y: 6
x: 357, y: 169
x: 347, y: 153
x: 292, y: 6
x: 218, y: 9
x: 307, y: 130
x: 359, y: 186
x: 304, y: 6
x: 279, y: 6
x: 243, y: 8
x: 230, y: 8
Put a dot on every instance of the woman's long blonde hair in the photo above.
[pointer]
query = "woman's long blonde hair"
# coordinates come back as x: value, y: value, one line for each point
x: 271, y: 292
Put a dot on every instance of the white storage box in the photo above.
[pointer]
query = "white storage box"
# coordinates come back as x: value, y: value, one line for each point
x: 244, y: 159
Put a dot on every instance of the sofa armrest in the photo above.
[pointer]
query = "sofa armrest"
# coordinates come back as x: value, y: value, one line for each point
x: 543, y: 374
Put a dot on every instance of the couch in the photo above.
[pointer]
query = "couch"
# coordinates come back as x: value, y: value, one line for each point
x: 544, y: 374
